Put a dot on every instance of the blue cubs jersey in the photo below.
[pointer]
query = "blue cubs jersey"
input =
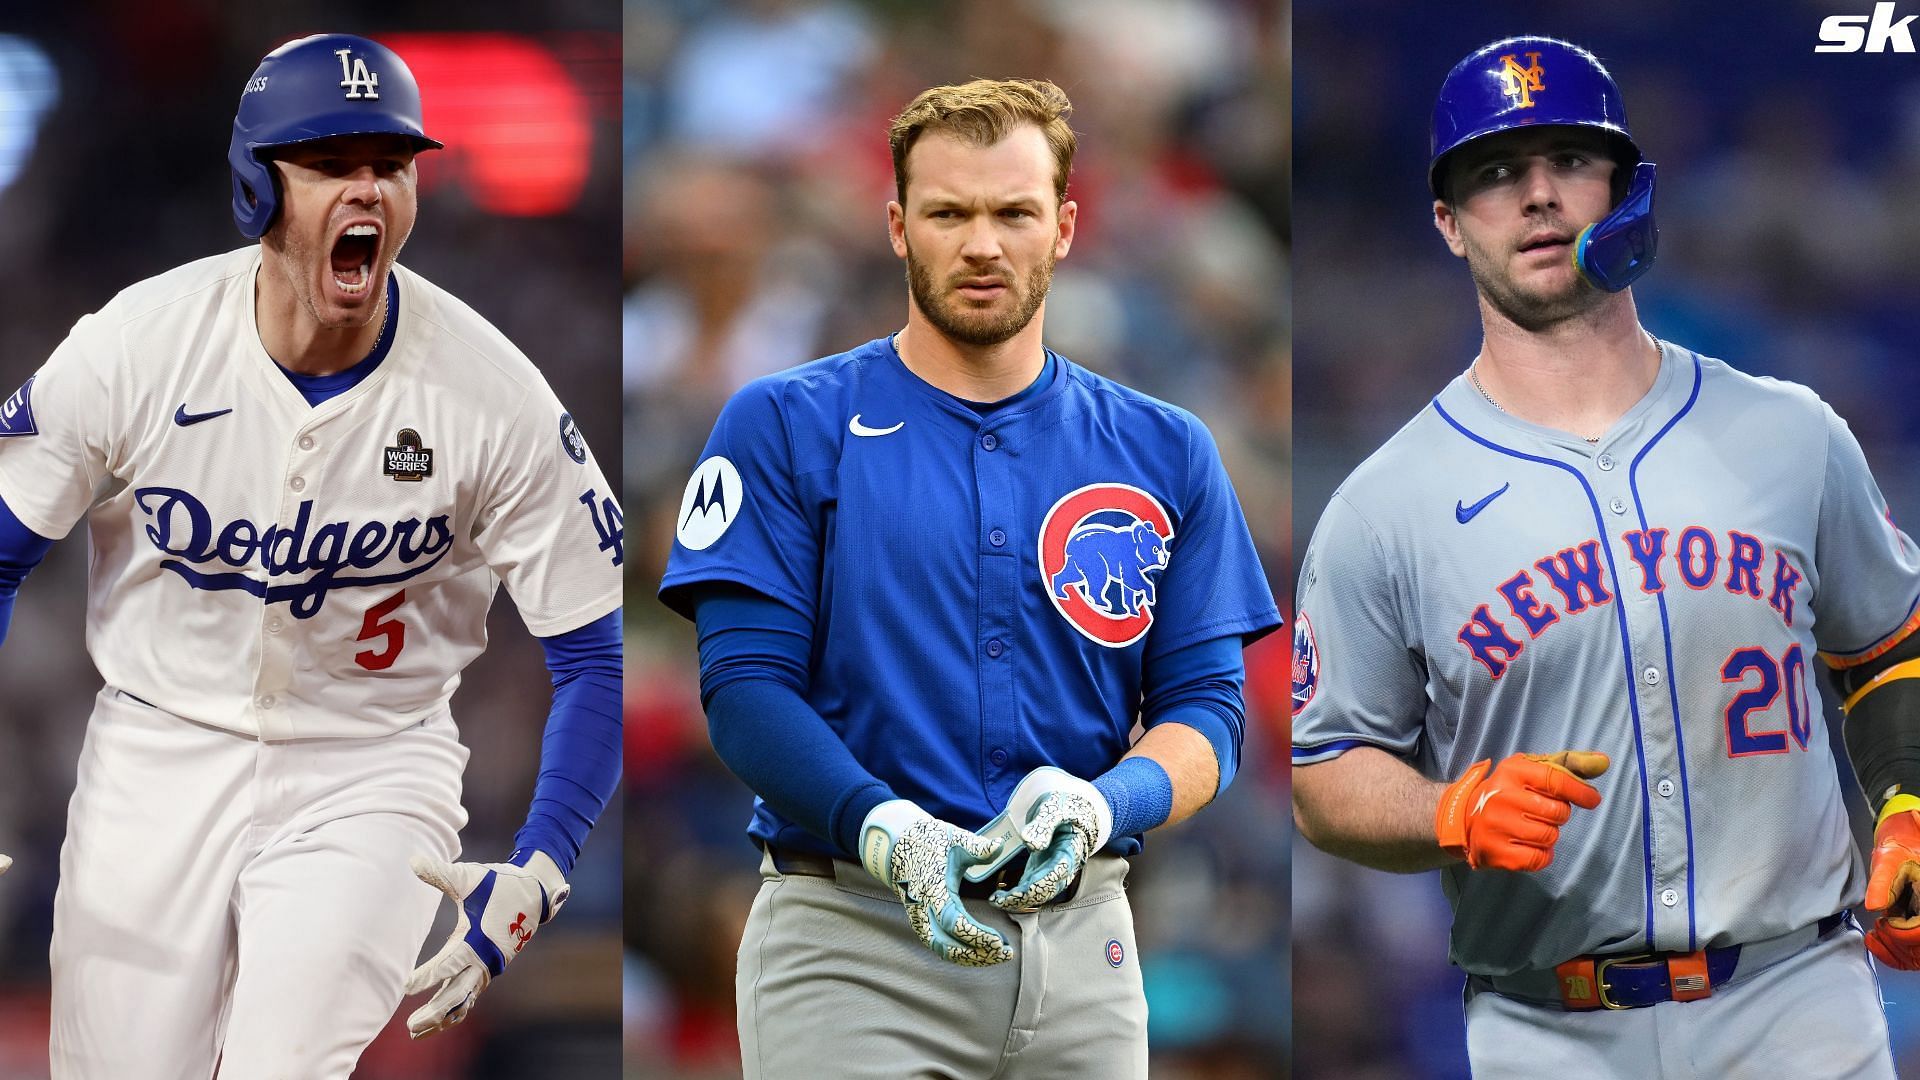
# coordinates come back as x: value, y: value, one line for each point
x: 988, y: 592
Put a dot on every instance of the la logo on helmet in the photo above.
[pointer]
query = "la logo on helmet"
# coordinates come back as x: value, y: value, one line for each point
x: 359, y: 83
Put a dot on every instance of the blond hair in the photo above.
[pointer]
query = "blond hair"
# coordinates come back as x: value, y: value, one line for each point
x: 982, y: 113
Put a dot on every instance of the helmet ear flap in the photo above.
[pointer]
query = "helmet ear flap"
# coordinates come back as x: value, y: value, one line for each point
x: 256, y: 192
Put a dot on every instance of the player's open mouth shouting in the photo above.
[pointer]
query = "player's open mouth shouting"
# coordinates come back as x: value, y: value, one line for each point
x: 356, y: 250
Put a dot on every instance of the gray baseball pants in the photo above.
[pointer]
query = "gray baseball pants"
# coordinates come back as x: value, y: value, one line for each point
x: 832, y: 982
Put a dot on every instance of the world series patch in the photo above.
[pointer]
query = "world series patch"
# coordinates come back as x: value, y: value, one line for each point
x: 409, y: 461
x: 1098, y: 545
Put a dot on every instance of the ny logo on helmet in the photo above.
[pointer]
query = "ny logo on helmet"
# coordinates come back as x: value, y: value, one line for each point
x: 1520, y: 83
x: 359, y: 83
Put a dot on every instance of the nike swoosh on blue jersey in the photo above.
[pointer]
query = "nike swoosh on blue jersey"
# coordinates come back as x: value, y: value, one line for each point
x: 1464, y: 513
x: 854, y: 425
x: 184, y: 418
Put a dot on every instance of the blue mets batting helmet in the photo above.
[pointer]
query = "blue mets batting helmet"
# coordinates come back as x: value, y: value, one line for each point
x: 315, y: 88
x: 1522, y: 82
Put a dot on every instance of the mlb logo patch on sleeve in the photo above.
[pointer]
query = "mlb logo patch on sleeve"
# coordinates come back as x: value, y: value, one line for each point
x: 16, y: 416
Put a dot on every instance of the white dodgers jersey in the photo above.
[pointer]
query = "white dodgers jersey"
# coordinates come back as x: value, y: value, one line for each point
x: 289, y: 570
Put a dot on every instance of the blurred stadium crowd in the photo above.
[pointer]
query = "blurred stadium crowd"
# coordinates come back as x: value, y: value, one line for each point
x: 1787, y: 231
x: 114, y: 120
x: 757, y: 176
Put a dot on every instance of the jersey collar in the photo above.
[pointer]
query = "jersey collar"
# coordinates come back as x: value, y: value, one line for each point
x: 1045, y: 390
x: 270, y: 377
x: 1667, y: 394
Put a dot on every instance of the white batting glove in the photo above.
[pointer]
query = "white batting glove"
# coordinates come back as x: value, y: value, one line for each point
x: 1059, y: 817
x: 5, y: 862
x: 501, y: 905
x: 920, y: 857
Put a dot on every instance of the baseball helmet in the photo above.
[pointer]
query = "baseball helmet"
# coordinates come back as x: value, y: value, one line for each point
x: 1522, y: 82
x: 315, y: 88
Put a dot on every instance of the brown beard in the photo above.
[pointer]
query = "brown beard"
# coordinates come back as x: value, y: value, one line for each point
x: 943, y: 309
x: 1531, y: 311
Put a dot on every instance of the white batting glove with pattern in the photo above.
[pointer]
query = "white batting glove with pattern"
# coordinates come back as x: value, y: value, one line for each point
x: 501, y: 905
x: 921, y: 857
x: 1062, y: 820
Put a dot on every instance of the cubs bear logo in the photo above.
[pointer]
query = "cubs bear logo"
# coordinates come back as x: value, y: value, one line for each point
x: 1306, y: 663
x: 1097, y: 547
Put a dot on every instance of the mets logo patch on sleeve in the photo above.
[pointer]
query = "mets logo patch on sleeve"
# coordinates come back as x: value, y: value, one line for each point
x: 1306, y: 663
x: 1098, y: 546
x: 16, y: 416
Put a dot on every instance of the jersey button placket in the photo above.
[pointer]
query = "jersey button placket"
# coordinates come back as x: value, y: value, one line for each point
x: 275, y: 671
x: 1659, y: 742
x: 998, y: 621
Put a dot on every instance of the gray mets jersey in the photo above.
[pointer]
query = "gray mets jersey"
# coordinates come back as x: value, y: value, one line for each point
x: 1482, y: 586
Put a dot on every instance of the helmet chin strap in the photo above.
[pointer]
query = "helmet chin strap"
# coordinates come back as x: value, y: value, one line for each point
x: 1613, y: 252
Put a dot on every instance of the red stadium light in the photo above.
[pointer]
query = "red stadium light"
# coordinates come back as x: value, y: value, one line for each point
x: 515, y: 121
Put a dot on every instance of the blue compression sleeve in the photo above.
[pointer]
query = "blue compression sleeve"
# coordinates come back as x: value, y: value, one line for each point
x: 580, y: 752
x: 1202, y: 686
x: 21, y: 549
x: 753, y: 668
x: 1140, y: 793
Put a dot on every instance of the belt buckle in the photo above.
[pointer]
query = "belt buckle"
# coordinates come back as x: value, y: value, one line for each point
x: 1600, y: 975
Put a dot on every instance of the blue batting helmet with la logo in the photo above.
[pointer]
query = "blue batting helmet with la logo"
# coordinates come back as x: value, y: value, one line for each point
x: 1098, y: 546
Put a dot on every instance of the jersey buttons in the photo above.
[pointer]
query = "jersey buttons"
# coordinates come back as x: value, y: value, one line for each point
x: 989, y: 442
x: 999, y: 756
x: 274, y: 624
x: 1665, y: 788
x: 1652, y: 675
x: 998, y: 538
x: 266, y: 701
x: 1618, y: 505
x: 995, y: 648
x: 1605, y: 461
x: 306, y: 442
x: 298, y: 483
x: 1669, y: 897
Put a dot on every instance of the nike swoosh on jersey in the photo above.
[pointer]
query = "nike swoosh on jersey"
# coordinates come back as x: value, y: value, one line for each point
x: 184, y: 418
x: 1464, y: 513
x: 854, y: 425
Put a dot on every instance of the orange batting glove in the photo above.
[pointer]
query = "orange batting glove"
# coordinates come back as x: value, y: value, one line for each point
x: 1891, y: 884
x: 1508, y: 816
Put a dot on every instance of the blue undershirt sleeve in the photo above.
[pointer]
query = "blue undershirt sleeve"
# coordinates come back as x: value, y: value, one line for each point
x: 580, y: 752
x: 754, y: 655
x: 21, y: 549
x: 1202, y: 686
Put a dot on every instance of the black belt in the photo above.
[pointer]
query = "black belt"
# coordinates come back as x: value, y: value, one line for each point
x: 809, y: 864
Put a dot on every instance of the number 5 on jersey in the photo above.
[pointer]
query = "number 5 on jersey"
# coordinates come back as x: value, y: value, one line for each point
x: 378, y: 626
